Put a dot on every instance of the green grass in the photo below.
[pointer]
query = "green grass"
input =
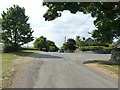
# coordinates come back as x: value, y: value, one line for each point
x: 9, y: 66
x: 110, y: 65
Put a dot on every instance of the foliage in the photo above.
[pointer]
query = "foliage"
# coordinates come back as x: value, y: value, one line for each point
x: 111, y: 45
x: 15, y: 29
x: 64, y: 47
x: 69, y: 45
x: 118, y: 42
x: 43, y: 44
x: 79, y: 41
x: 52, y: 46
x: 107, y: 16
x: 94, y: 48
x: 0, y: 23
x: 0, y: 29
x: 10, y: 47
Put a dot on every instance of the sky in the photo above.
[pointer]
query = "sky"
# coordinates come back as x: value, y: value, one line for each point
x: 69, y: 25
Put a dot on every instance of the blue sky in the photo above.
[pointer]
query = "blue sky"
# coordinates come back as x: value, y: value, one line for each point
x: 69, y: 25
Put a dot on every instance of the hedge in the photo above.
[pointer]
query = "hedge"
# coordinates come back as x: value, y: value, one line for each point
x: 94, y: 48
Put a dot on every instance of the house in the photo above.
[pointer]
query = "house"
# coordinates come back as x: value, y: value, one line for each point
x: 89, y: 41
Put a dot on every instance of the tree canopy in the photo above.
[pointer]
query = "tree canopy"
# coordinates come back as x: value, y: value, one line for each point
x: 0, y: 23
x: 15, y: 29
x: 69, y: 45
x: 107, y: 16
x: 79, y: 41
x: 43, y: 44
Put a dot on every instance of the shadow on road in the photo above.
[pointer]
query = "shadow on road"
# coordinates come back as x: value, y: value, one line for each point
x: 47, y: 56
x: 36, y: 55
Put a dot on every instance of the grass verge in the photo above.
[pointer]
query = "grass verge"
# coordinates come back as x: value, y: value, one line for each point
x: 107, y: 64
x: 10, y: 63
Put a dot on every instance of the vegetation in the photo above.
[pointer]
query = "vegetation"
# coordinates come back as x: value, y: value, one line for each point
x: 51, y: 46
x: 43, y: 44
x: 64, y: 47
x: 79, y: 41
x: 94, y: 48
x: 70, y: 45
x: 10, y: 64
x: 15, y: 29
x: 118, y: 42
x: 0, y: 23
x: 106, y: 14
x: 0, y: 29
x: 110, y: 65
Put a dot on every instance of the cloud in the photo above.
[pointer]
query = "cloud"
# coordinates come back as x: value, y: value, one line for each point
x: 68, y: 24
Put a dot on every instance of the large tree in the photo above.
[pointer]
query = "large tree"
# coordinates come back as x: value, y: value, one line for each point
x: 15, y: 29
x: 43, y: 44
x: 0, y: 30
x: 70, y: 45
x: 107, y: 16
x: 52, y: 46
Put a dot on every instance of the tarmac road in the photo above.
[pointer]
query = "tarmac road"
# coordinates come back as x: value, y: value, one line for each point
x: 62, y: 70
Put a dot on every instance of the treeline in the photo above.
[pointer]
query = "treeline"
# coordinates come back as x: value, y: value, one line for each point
x: 88, y: 44
x: 16, y: 31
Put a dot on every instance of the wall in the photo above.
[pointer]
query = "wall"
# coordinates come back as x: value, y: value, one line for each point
x: 115, y: 55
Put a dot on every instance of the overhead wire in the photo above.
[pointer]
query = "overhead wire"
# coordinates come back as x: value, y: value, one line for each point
x: 80, y: 26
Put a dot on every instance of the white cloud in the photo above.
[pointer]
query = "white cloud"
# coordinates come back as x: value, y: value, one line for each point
x: 68, y: 24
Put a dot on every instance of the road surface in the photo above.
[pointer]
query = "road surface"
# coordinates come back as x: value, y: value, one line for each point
x: 62, y: 70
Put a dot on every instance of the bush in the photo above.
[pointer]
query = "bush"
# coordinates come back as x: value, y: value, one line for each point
x: 94, y: 48
x: 111, y: 45
x: 10, y: 48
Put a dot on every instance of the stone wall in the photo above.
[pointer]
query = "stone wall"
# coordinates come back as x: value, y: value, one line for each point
x: 115, y: 55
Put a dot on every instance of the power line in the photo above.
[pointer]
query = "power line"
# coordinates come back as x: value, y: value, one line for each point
x: 81, y: 24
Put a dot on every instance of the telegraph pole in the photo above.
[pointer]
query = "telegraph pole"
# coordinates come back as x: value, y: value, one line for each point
x: 65, y: 39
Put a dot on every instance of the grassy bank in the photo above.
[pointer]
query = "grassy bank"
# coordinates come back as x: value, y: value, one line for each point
x: 10, y: 63
x: 107, y: 64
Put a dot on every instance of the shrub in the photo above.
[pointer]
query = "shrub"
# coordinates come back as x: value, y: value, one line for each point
x: 10, y: 48
x: 111, y: 45
x: 94, y: 48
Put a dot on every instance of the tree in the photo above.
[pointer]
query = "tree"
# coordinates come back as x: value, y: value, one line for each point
x: 15, y: 29
x: 0, y: 29
x: 83, y: 38
x: 64, y: 47
x: 107, y: 16
x: 43, y: 44
x: 70, y: 45
x: 0, y: 23
x: 118, y: 42
x: 52, y: 46
x: 79, y: 41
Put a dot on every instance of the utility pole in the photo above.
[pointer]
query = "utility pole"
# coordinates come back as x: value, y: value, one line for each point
x: 65, y: 39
